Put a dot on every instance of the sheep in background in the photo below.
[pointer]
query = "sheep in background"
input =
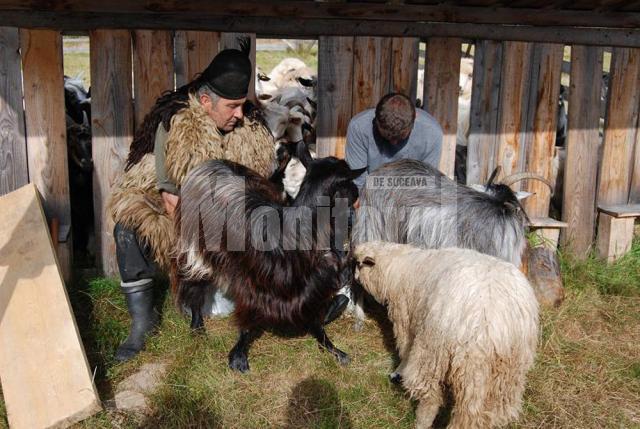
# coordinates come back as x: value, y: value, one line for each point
x: 265, y: 88
x: 289, y: 71
x: 290, y: 116
x: 284, y: 67
x: 77, y: 100
x: 461, y: 319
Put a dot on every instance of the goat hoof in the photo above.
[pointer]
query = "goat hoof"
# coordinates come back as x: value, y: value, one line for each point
x: 343, y: 358
x: 238, y: 362
x: 197, y: 328
x: 395, y: 378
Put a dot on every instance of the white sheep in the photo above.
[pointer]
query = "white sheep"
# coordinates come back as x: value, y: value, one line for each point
x: 286, y: 72
x: 461, y: 319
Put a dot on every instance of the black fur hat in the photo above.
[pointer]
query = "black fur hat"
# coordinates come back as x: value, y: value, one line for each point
x: 230, y: 72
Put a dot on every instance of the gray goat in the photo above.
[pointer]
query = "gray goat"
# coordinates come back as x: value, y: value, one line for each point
x: 407, y: 201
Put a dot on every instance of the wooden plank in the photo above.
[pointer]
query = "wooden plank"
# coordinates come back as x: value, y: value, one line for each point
x: 541, y: 125
x: 358, y: 11
x: 483, y: 124
x: 515, y: 87
x: 13, y: 148
x: 335, y: 89
x: 152, y: 69
x: 229, y: 41
x: 547, y: 222
x: 441, y: 89
x: 614, y: 236
x: 634, y: 190
x: 621, y: 210
x: 404, y: 65
x: 549, y: 237
x: 111, y: 128
x: 194, y: 50
x: 620, y: 127
x: 271, y: 27
x: 46, y: 129
x: 581, y: 164
x: 371, y: 71
x: 46, y: 379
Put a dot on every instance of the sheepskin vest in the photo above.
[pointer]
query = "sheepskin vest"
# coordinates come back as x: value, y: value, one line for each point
x: 193, y: 138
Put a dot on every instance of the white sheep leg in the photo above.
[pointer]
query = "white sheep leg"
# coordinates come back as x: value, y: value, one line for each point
x: 470, y: 387
x: 359, y: 314
x: 427, y: 409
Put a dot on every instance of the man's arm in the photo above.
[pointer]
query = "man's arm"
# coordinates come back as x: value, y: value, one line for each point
x: 168, y: 190
x: 356, y: 153
x: 434, y: 145
x: 163, y: 183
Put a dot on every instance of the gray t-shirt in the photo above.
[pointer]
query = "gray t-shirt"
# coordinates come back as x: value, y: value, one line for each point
x: 365, y: 148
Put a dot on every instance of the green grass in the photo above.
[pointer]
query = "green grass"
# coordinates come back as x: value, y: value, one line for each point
x: 587, y: 372
x: 267, y: 60
x: 76, y: 64
x: 620, y: 278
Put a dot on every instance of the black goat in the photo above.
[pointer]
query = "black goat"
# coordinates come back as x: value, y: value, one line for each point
x: 77, y: 100
x: 280, y: 264
x: 78, y: 123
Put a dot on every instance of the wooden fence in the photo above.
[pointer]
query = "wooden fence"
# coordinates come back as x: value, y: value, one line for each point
x: 513, y: 111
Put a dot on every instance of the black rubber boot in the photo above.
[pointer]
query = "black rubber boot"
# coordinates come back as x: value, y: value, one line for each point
x: 144, y: 319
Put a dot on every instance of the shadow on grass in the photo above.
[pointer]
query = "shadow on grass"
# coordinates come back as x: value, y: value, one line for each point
x: 179, y: 410
x: 378, y: 313
x: 314, y: 403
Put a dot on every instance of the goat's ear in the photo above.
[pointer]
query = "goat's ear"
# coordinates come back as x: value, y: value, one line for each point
x: 368, y: 261
x: 521, y: 195
x: 305, y: 82
x: 283, y: 156
x: 354, y: 174
x: 303, y: 154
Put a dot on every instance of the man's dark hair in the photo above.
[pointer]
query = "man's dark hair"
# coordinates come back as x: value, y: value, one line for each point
x: 395, y: 114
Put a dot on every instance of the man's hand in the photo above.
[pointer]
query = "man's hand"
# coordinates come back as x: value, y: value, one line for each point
x: 170, y: 202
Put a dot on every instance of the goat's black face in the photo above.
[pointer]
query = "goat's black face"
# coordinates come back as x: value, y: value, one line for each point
x: 331, y: 177
x: 506, y: 196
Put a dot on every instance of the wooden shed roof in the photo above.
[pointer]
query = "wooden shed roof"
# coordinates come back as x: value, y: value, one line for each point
x: 599, y: 22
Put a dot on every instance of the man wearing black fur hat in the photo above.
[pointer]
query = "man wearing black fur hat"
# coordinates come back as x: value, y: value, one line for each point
x: 202, y: 120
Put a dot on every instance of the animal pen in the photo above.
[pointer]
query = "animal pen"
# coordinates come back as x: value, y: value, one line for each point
x: 366, y: 49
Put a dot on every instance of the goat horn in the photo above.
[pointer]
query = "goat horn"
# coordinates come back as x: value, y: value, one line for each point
x: 493, y: 176
x: 510, y: 180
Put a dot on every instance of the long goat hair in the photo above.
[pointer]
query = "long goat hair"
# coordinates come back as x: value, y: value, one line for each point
x: 282, y: 277
x: 427, y: 209
x: 407, y: 201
